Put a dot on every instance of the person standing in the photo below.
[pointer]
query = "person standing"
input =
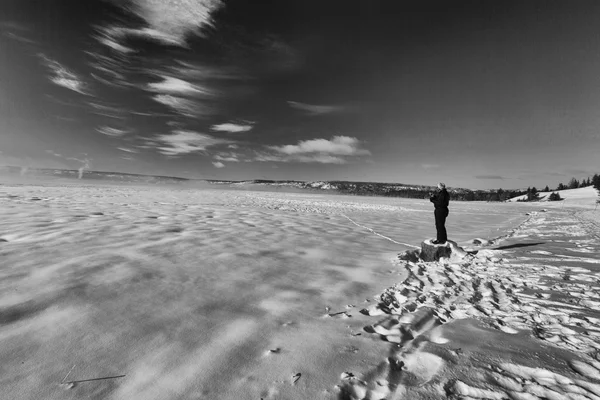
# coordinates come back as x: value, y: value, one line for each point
x: 440, y: 200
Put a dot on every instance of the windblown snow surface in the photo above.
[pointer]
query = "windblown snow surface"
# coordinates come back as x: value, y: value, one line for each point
x: 214, y: 294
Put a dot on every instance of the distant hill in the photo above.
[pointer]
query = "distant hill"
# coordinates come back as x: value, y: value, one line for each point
x: 573, y: 197
x: 342, y: 187
x: 87, y: 175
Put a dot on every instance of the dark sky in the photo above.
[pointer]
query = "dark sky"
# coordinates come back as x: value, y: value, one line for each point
x: 479, y: 94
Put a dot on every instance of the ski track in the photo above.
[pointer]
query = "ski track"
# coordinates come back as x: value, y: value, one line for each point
x: 544, y: 295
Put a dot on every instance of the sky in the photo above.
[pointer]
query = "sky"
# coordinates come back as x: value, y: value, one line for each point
x: 475, y: 94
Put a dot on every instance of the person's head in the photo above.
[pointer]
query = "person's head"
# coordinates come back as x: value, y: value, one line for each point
x: 441, y: 186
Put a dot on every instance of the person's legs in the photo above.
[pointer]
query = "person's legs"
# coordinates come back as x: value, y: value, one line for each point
x: 440, y: 225
x: 443, y: 233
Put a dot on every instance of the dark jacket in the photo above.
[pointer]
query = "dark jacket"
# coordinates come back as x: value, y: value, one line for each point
x: 441, y: 199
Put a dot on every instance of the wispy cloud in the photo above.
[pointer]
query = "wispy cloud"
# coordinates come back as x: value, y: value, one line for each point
x: 16, y: 31
x: 107, y: 111
x: 67, y: 119
x: 231, y: 127
x: 315, y: 109
x: 554, y: 173
x: 231, y: 157
x: 103, y: 36
x: 149, y: 114
x: 64, y: 77
x: 84, y: 160
x: 489, y: 177
x: 430, y: 166
x: 202, y: 71
x: 120, y: 33
x: 114, y: 132
x: 185, y: 107
x: 185, y: 142
x: 20, y: 38
x: 127, y: 150
x: 106, y: 82
x: 116, y: 46
x: 110, y: 69
x: 186, y: 98
x: 113, y: 71
x: 54, y: 153
x: 579, y: 172
x: 218, y: 164
x: 171, y: 85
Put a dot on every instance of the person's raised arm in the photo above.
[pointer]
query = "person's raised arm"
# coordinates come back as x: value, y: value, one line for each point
x: 432, y: 197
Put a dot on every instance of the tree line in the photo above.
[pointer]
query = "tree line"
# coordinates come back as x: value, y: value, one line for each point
x: 534, y: 195
x: 574, y: 183
x: 420, y: 191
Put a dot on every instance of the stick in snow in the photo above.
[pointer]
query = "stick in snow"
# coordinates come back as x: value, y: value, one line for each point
x: 96, y: 379
x: 68, y: 373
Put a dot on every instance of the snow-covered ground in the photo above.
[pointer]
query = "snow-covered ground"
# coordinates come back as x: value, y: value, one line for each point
x: 519, y: 321
x: 192, y: 294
